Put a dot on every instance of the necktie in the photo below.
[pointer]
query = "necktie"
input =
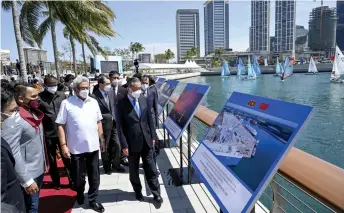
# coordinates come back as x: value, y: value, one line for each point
x: 106, y: 96
x: 137, y: 107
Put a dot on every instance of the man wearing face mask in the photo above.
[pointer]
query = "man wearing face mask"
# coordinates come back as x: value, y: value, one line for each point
x: 24, y: 133
x: 81, y: 136
x: 102, y: 96
x: 51, y: 100
x: 116, y: 93
x: 11, y: 193
x: 136, y: 133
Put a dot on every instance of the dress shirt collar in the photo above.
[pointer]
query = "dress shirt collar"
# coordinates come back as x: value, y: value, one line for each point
x: 131, y: 99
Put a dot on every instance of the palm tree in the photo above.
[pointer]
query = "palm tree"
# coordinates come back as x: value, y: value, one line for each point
x: 68, y: 36
x: 169, y: 55
x: 7, y: 5
x: 66, y: 12
x: 219, y: 52
x: 136, y: 48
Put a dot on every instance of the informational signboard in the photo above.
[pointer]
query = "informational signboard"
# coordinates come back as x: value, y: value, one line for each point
x: 244, y: 147
x: 159, y: 82
x: 165, y: 94
x: 184, y: 109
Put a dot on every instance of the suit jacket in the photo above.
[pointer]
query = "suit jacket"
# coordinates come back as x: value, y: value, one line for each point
x: 133, y: 131
x: 27, y: 145
x: 50, y: 106
x: 152, y: 98
x: 114, y: 98
x: 11, y: 192
x: 106, y: 111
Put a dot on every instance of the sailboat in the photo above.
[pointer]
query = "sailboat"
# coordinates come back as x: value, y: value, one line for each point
x: 256, y: 67
x: 225, y: 69
x: 338, y: 67
x: 278, y: 68
x: 251, y: 74
x: 312, y: 69
x: 287, y: 69
x: 241, y: 68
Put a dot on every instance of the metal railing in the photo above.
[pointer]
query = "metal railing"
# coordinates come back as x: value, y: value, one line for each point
x: 286, y: 192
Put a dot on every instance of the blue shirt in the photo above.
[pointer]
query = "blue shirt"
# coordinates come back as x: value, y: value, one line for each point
x: 136, y: 105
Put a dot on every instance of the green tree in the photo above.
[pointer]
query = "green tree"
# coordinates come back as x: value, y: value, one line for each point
x: 219, y: 52
x: 12, y: 5
x: 215, y: 63
x: 136, y: 48
x: 169, y: 55
x: 70, y: 37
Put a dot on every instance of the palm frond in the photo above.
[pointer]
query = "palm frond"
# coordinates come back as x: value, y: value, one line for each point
x: 6, y: 5
x: 29, y: 18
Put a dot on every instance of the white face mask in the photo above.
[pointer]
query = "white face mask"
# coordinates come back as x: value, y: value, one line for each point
x: 66, y: 93
x: 107, y: 88
x: 144, y: 86
x: 83, y: 93
x: 52, y: 90
x: 123, y: 81
x: 136, y: 94
x: 115, y: 83
x: 11, y: 119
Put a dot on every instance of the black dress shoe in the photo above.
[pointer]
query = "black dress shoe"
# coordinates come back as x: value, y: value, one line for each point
x: 109, y: 172
x: 125, y: 162
x: 139, y: 196
x: 98, y: 207
x: 80, y: 199
x: 120, y: 169
x: 158, y: 199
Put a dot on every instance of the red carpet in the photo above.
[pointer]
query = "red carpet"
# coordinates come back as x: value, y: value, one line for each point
x: 56, y: 201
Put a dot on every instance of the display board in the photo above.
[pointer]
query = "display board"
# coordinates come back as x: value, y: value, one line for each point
x: 244, y: 147
x: 184, y: 109
x: 165, y: 94
x: 159, y: 82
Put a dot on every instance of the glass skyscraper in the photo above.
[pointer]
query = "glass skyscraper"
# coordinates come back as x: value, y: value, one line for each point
x: 216, y: 25
x: 340, y: 24
x: 260, y: 26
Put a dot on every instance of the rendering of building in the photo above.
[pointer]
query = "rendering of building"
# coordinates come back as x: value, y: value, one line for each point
x: 322, y: 29
x: 188, y: 36
x: 340, y: 24
x: 216, y: 25
x: 260, y: 26
x: 285, y: 25
x: 301, y: 39
x: 145, y: 57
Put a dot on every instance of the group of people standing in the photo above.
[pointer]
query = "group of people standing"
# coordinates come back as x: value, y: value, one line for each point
x: 116, y: 121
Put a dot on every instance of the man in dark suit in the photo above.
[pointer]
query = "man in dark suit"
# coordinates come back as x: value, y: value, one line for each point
x: 116, y: 93
x: 136, y: 134
x: 103, y: 98
x: 11, y: 192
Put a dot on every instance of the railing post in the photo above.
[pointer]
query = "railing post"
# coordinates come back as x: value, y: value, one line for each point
x: 168, y: 134
x: 189, y: 154
x: 181, y: 171
x: 277, y: 200
x: 163, y: 128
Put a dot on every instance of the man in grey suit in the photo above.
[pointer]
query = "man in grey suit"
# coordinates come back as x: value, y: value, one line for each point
x: 24, y: 133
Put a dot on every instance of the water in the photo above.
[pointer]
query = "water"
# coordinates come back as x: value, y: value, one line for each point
x: 324, y: 134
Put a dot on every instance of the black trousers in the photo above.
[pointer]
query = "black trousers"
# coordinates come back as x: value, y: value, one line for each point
x: 149, y: 168
x: 112, y: 155
x: 82, y: 163
x: 52, y: 144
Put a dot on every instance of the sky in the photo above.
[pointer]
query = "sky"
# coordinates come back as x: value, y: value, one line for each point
x: 153, y: 24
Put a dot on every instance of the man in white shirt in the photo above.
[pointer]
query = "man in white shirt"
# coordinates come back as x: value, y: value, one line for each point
x: 80, y: 131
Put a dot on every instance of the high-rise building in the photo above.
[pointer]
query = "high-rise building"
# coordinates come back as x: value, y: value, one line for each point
x: 260, y: 25
x: 340, y: 24
x: 322, y: 29
x: 285, y: 25
x: 301, y: 38
x: 187, y: 21
x: 216, y: 25
x: 273, y: 43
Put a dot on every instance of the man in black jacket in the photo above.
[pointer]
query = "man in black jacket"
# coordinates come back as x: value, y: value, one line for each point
x: 50, y: 105
x: 103, y: 99
x: 136, y: 134
x: 11, y: 193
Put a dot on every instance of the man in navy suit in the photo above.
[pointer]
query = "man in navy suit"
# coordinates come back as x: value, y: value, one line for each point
x: 136, y: 134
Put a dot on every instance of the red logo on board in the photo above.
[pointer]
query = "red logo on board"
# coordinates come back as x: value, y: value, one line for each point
x: 263, y: 106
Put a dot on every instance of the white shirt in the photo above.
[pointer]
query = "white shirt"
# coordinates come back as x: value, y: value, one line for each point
x: 81, y: 118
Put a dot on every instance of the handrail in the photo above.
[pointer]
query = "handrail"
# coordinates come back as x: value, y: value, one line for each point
x: 315, y: 175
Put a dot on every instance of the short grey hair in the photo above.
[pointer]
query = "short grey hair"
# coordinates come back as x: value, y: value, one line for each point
x: 78, y: 80
x: 132, y: 81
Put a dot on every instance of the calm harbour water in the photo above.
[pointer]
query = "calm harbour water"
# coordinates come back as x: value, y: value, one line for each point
x: 324, y: 134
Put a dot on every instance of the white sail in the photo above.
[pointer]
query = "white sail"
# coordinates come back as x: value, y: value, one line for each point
x: 334, y: 73
x: 339, y: 59
x: 312, y: 68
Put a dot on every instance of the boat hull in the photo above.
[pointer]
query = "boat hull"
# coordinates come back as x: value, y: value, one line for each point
x: 313, y: 73
x: 337, y: 81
